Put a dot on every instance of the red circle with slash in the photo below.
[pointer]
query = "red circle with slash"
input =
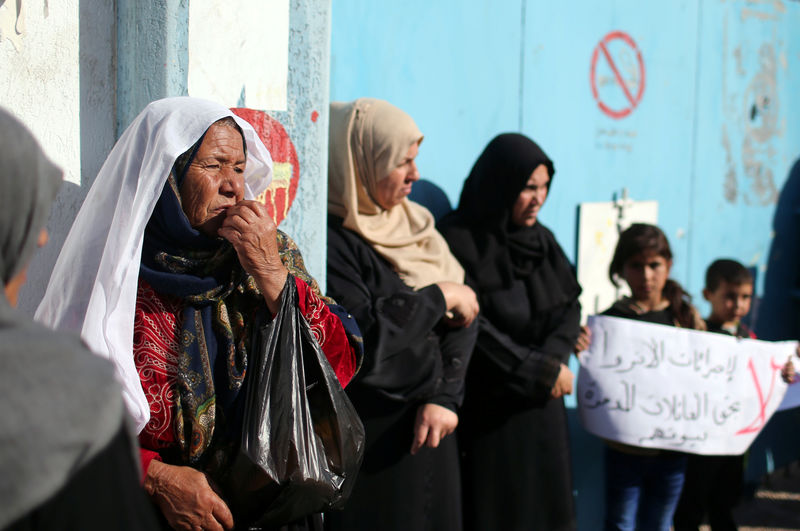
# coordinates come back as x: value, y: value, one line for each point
x: 632, y: 97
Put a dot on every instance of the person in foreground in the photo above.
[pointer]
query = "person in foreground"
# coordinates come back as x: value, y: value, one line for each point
x: 67, y: 456
x: 515, y: 444
x: 643, y: 484
x: 391, y: 268
x: 176, y: 260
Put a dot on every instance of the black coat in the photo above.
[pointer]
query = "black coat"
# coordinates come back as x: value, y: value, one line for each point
x: 513, y: 435
x: 514, y: 438
x: 410, y: 358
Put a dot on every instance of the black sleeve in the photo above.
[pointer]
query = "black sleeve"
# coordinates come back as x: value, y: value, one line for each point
x: 529, y: 372
x: 560, y: 342
x: 104, y: 494
x: 457, y: 345
x: 392, y: 317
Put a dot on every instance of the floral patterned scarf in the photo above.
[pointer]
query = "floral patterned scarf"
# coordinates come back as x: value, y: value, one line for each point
x: 220, y: 301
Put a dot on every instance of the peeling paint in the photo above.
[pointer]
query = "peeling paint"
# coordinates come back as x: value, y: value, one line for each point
x: 730, y: 186
x: 776, y: 4
x: 761, y: 97
x: 12, y: 22
x: 40, y: 76
x: 737, y: 54
x: 759, y: 15
x: 761, y: 110
x: 760, y: 175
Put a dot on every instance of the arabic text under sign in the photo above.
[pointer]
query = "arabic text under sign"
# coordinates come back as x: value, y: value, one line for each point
x: 663, y: 387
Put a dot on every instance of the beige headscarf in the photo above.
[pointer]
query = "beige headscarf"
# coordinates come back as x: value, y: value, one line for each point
x: 368, y: 139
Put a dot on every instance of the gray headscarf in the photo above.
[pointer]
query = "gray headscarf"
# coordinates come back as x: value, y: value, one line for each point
x: 59, y: 404
x: 29, y: 185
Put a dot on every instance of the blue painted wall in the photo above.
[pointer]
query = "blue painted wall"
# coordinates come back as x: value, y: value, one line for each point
x: 715, y: 137
x: 152, y: 63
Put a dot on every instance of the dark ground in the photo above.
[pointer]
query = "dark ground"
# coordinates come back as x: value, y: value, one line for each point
x: 775, y: 505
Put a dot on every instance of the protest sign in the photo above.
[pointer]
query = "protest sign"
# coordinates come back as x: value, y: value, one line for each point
x: 792, y: 397
x: 658, y: 386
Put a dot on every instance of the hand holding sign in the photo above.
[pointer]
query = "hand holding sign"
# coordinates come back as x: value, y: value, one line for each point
x: 662, y: 387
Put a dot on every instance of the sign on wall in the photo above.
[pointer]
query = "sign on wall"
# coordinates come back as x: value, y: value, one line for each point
x: 599, y: 228
x: 617, y: 75
x: 658, y: 386
x: 239, y: 52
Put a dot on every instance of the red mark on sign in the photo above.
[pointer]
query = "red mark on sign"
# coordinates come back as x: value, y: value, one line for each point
x: 621, y: 54
x: 761, y: 419
x: 314, y: 116
x: 280, y: 194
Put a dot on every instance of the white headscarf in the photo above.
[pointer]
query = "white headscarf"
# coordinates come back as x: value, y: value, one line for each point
x: 93, y: 287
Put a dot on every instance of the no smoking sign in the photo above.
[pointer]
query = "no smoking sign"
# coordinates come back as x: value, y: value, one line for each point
x: 617, y: 75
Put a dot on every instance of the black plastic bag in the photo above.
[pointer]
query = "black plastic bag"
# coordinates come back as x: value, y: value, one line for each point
x: 302, y: 440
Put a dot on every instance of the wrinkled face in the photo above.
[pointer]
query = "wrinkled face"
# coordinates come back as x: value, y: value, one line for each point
x: 392, y: 189
x: 214, y: 180
x: 531, y: 198
x: 729, y: 302
x: 646, y: 273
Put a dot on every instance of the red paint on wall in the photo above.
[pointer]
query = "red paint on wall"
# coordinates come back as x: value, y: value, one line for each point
x: 280, y: 194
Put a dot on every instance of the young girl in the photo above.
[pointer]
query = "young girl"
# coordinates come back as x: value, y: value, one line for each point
x: 643, y: 485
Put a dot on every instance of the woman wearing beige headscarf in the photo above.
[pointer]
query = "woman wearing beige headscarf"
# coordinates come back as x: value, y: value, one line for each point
x: 390, y: 267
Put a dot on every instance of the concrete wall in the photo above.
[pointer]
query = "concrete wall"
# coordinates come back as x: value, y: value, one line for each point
x: 56, y: 66
x: 38, y: 54
x: 306, y: 122
x: 77, y: 72
x: 714, y: 137
x: 153, y: 63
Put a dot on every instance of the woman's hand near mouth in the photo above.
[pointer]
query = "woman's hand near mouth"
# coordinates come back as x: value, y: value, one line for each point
x: 253, y: 234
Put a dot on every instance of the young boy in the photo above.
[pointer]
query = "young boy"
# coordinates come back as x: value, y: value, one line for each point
x: 729, y: 289
x: 713, y: 482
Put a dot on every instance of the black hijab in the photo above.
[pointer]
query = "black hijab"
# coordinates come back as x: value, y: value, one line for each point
x: 496, y: 253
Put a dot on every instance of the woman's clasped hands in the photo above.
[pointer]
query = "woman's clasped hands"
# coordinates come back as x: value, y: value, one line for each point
x: 461, y: 302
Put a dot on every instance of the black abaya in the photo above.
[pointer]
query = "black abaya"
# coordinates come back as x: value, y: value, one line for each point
x: 410, y: 359
x: 104, y: 494
x: 516, y: 465
x: 513, y: 434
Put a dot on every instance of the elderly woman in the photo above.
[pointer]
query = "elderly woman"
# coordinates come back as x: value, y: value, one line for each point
x: 66, y: 451
x: 391, y: 268
x: 516, y: 465
x: 168, y: 264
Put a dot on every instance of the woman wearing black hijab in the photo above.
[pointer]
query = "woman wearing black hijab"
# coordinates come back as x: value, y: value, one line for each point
x: 516, y: 465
